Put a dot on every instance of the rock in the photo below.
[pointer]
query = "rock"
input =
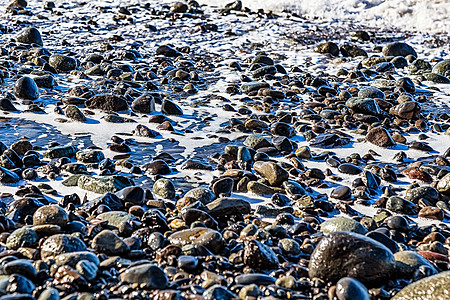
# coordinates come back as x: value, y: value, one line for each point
x: 406, y: 110
x: 132, y: 194
x: 223, y: 186
x: 209, y: 238
x: 109, y: 243
x: 49, y: 294
x: 398, y: 49
x: 179, y: 7
x: 144, y: 104
x: 45, y: 81
x: 328, y: 47
x: 187, y: 262
x: 18, y: 3
x: 164, y: 188
x: 363, y: 105
x: 170, y: 108
x: 259, y: 256
x: 22, y: 267
x: 441, y: 67
x: 348, y: 168
x: 105, y: 184
x: 351, y: 289
x: 399, y: 205
x: 407, y: 84
x: 90, y: 156
x: 251, y: 290
x: 257, y: 141
x: 7, y: 176
x: 26, y: 88
x: 87, y: 269
x: 157, y: 167
x: 430, y: 288
x: 22, y: 237
x: 61, y: 243
x: 272, y: 212
x: 149, y: 275
x: 253, y: 86
x: 218, y: 292
x: 50, y: 214
x: 203, y: 195
x: 6, y: 105
x: 272, y: 172
x: 443, y: 185
x: 228, y: 207
x: 144, y: 131
x: 348, y: 254
x: 61, y: 151
x: 115, y: 218
x: 430, y: 212
x: 407, y: 262
x: 74, y: 113
x: 342, y: 224
x: 257, y: 278
x: 436, y: 78
x: 30, y: 36
x: 327, y: 140
x: 341, y: 193
x: 167, y: 51
x: 426, y: 192
x: 107, y: 102
x: 380, y: 137
x: 384, y: 239
x: 73, y: 258
x: 21, y: 147
x: 62, y: 62
x: 371, y: 92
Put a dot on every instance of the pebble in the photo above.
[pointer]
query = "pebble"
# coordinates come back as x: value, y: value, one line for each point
x: 351, y: 289
x: 26, y: 88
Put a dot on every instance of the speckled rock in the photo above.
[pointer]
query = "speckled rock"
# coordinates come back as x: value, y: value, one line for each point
x: 342, y: 224
x: 61, y: 243
x: 149, y: 275
x: 434, y: 287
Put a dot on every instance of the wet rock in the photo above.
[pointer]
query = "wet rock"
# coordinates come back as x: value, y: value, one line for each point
x: 443, y: 185
x: 60, y: 151
x: 425, y: 192
x: 249, y: 87
x: 380, y: 137
x: 50, y: 214
x: 144, y: 104
x: 149, y: 275
x: 170, y: 108
x: 132, y: 194
x: 406, y: 110
x: 228, y: 206
x: 7, y: 176
x: 157, y: 167
x: 26, y: 88
x: 407, y: 262
x: 348, y: 168
x: 371, y: 92
x: 256, y: 141
x: 441, y: 67
x: 209, y: 238
x: 399, y: 205
x: 167, y: 51
x: 87, y: 269
x: 164, y: 188
x: 103, y: 185
x: 328, y: 47
x: 6, y: 105
x: 109, y: 243
x: 30, y: 36
x: 22, y: 237
x: 259, y: 256
x: 398, y: 49
x: 107, y: 102
x: 439, y: 284
x: 144, y: 131
x: 218, y: 292
x: 203, y: 195
x: 351, y: 289
x: 61, y: 243
x: 433, y: 213
x: 341, y: 193
x: 115, y: 218
x: 272, y: 172
x: 90, y: 156
x: 342, y: 224
x: 62, y: 62
x: 363, y: 105
x: 73, y: 258
x: 22, y: 267
x: 74, y: 113
x: 346, y: 254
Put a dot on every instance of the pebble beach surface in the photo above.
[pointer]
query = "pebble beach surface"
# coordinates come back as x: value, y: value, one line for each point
x: 172, y: 150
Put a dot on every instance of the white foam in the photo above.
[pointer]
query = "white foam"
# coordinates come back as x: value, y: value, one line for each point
x: 411, y: 15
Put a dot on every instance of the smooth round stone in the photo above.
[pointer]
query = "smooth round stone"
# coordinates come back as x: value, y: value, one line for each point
x: 164, y: 188
x: 223, y: 186
x: 434, y: 287
x: 351, y: 289
x: 187, y: 262
x: 341, y: 193
x: 62, y: 62
x: 257, y: 278
x: 251, y: 290
x: 133, y: 194
x: 441, y: 67
x: 287, y: 282
x: 397, y: 223
x: 280, y: 200
x: 384, y: 239
x: 90, y: 156
x: 156, y: 240
x: 426, y: 192
x: 203, y: 195
x: 50, y: 214
x: 351, y: 169
x: 61, y: 243
x: 398, y: 49
x: 170, y: 108
x: 22, y: 237
x: 443, y: 185
x: 72, y: 259
x: 22, y: 267
x: 87, y: 269
x: 363, y: 105
x: 289, y: 246
x: 407, y: 262
x: 149, y: 275
x: 49, y: 294
x: 109, y: 243
x: 274, y: 173
x: 209, y: 238
x: 348, y: 254
x: 30, y: 36
x: 26, y: 88
x: 74, y: 113
x: 115, y: 218
x: 371, y: 92
x: 399, y: 205
x: 18, y: 284
x: 342, y: 224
